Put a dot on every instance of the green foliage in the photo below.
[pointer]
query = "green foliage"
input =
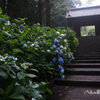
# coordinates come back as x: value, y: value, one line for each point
x: 88, y: 31
x: 26, y: 57
x: 59, y: 9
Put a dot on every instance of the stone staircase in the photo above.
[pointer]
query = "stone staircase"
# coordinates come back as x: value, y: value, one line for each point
x: 84, y: 71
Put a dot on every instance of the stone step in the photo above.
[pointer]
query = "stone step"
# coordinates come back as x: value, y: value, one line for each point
x: 79, y: 80
x: 86, y: 61
x: 87, y: 57
x: 83, y: 65
x: 82, y: 71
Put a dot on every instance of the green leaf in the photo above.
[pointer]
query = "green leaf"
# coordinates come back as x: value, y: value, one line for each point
x: 3, y: 74
x: 33, y: 70
x: 31, y: 75
x: 21, y: 75
x: 17, y: 50
x: 0, y: 11
x: 49, y: 91
x: 16, y: 96
x: 5, y: 17
x: 9, y: 88
x: 1, y: 91
x: 19, y: 89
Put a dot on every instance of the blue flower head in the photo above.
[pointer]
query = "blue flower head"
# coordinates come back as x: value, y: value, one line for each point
x: 56, y: 42
x: 73, y: 58
x: 43, y: 41
x: 65, y: 54
x: 45, y: 28
x: 54, y: 46
x: 23, y: 42
x: 33, y: 99
x: 14, y: 23
x: 21, y: 27
x: 62, y: 77
x: 61, y: 53
x: 13, y: 30
x: 60, y: 67
x: 56, y: 51
x: 51, y: 62
x: 54, y: 60
x: 69, y: 62
x: 61, y: 61
x: 62, y: 71
x: 11, y: 56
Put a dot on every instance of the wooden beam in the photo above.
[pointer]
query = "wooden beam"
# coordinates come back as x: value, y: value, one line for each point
x: 48, y: 13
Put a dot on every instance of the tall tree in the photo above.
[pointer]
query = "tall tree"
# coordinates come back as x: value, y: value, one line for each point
x: 59, y: 9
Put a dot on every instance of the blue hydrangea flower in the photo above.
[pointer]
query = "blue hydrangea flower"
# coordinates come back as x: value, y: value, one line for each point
x: 43, y: 41
x: 61, y: 61
x: 61, y: 53
x: 4, y: 19
x: 23, y: 42
x: 14, y: 23
x: 65, y: 54
x: 60, y: 67
x: 68, y: 62
x: 56, y: 51
x: 11, y: 56
x: 45, y: 28
x: 21, y: 27
x: 57, y: 45
x: 62, y: 71
x: 54, y: 60
x: 13, y: 30
x: 56, y: 42
x: 54, y: 46
x: 51, y: 62
x: 30, y: 86
x: 73, y: 58
x: 62, y: 77
x: 33, y: 99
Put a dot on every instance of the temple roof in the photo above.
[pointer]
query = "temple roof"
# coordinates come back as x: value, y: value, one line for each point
x: 81, y: 12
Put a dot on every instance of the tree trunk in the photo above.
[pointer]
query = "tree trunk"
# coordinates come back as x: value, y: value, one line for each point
x: 41, y: 12
x: 2, y: 5
x: 47, y: 13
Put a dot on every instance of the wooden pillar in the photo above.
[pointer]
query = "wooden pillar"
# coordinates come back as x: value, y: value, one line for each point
x: 77, y: 30
x: 97, y: 29
x: 47, y: 13
x: 41, y: 12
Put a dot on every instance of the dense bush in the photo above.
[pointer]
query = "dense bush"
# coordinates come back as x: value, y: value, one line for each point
x: 31, y: 56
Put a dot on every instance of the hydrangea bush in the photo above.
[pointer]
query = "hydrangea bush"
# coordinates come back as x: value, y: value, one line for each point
x: 30, y: 56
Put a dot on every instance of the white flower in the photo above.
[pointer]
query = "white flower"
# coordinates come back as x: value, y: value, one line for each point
x: 61, y: 46
x: 48, y: 50
x: 44, y: 34
x: 32, y: 45
x: 58, y: 32
x: 25, y: 45
x: 36, y: 42
x: 16, y: 59
x: 65, y: 40
x: 2, y: 58
x: 37, y: 45
x: 64, y: 48
x: 36, y: 48
x: 28, y: 42
x: 62, y: 35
